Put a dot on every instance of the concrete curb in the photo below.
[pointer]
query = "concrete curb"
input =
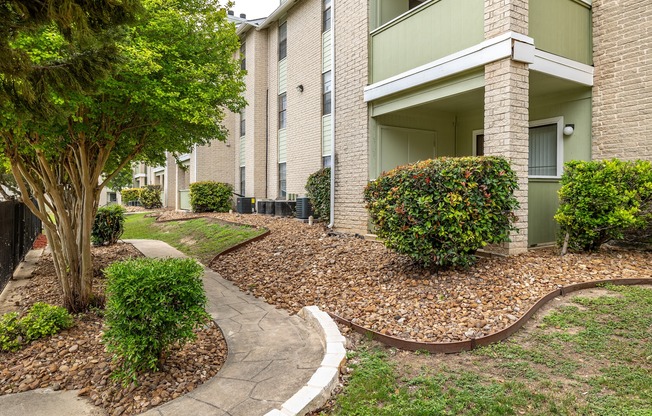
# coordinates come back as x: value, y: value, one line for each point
x: 321, y: 385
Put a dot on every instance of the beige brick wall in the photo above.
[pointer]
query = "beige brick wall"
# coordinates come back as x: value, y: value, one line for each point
x: 303, y: 108
x: 506, y: 112
x: 272, y: 82
x: 622, y: 94
x: 351, y: 121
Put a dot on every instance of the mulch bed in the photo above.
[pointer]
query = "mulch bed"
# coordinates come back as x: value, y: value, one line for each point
x: 75, y: 359
x: 359, y: 280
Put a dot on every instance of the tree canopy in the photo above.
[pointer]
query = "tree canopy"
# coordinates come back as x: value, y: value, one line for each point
x: 167, y: 87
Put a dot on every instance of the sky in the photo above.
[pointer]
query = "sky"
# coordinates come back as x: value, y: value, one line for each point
x: 255, y: 8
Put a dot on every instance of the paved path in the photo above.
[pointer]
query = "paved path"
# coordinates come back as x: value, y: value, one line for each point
x: 277, y: 365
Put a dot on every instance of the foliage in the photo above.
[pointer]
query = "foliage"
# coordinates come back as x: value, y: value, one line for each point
x: 318, y: 189
x: 130, y: 195
x: 108, y: 225
x: 123, y: 179
x: 441, y: 211
x: 10, y: 332
x: 7, y: 181
x: 42, y: 320
x: 163, y: 83
x: 209, y: 196
x: 603, y: 200
x: 201, y: 238
x: 152, y: 304
x: 150, y: 197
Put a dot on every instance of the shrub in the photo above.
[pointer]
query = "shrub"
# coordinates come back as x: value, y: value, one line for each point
x: 130, y: 195
x: 441, y: 211
x: 10, y: 332
x: 150, y: 197
x: 210, y: 196
x: 152, y: 304
x: 108, y: 225
x: 604, y: 200
x: 43, y: 320
x: 318, y: 190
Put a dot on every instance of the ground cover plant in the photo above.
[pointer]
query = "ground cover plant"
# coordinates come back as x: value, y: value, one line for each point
x: 202, y: 238
x: 440, y: 211
x: 590, y: 355
x: 41, y: 320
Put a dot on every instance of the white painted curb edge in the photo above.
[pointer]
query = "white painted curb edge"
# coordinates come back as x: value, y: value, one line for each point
x: 321, y: 385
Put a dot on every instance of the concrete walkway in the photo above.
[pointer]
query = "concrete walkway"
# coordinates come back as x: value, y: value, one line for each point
x: 277, y: 364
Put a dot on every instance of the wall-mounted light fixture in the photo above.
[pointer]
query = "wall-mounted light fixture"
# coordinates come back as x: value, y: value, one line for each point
x: 569, y: 129
x: 300, y: 87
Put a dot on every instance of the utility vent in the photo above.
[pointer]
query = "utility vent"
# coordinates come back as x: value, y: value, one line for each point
x: 245, y: 205
x: 304, y: 208
x: 269, y: 207
x: 261, y: 207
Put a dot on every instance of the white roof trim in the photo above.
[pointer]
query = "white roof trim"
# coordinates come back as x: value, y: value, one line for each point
x: 279, y: 12
x: 476, y: 56
x: 561, y: 67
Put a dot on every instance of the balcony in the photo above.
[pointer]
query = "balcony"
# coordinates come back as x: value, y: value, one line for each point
x: 431, y: 31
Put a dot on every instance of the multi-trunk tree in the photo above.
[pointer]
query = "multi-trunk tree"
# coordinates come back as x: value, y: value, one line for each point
x: 166, y: 88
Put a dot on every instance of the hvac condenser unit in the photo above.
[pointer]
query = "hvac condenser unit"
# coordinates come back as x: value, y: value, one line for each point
x: 304, y: 208
x: 284, y: 208
x: 245, y: 205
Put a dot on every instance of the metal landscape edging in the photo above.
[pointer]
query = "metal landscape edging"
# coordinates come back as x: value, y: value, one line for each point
x: 244, y: 243
x: 459, y: 346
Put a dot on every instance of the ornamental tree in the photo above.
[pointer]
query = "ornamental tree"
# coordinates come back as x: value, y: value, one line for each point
x: 168, y: 87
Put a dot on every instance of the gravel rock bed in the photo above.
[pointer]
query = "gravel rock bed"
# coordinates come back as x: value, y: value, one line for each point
x: 75, y: 359
x: 360, y: 280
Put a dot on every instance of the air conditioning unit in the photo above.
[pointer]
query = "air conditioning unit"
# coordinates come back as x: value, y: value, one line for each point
x: 269, y: 207
x: 284, y: 208
x: 261, y: 207
x: 245, y: 205
x: 304, y: 208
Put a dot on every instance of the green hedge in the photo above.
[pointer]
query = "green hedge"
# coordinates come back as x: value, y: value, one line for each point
x: 318, y: 190
x: 209, y: 196
x: 152, y: 304
x: 150, y: 197
x: 108, y: 225
x: 440, y: 211
x: 130, y: 195
x: 604, y: 200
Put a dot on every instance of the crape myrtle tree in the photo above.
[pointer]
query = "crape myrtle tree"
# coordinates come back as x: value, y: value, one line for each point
x: 168, y: 87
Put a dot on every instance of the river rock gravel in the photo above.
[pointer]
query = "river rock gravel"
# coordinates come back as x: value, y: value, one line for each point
x: 75, y: 359
x: 360, y: 280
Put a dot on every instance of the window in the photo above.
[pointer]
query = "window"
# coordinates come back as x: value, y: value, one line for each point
x: 282, y: 41
x: 282, y: 183
x: 543, y: 151
x: 243, y: 56
x: 478, y: 142
x: 111, y: 197
x: 242, y: 123
x: 242, y: 181
x: 326, y: 18
x: 326, y: 93
x: 326, y: 161
x: 282, y: 110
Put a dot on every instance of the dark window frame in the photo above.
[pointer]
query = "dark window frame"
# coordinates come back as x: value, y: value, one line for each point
x: 282, y: 41
x: 282, y: 111
x: 327, y: 86
x: 282, y: 180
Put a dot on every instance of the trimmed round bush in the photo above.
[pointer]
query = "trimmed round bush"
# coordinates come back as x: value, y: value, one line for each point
x: 318, y: 189
x: 130, y: 195
x: 605, y: 200
x: 440, y: 211
x: 150, y: 197
x: 210, y: 196
x: 108, y: 225
x: 152, y: 304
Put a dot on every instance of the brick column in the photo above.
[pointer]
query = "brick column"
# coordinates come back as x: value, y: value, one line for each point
x: 506, y: 115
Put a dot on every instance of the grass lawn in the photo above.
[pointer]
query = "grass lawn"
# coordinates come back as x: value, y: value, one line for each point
x: 591, y: 356
x: 200, y: 238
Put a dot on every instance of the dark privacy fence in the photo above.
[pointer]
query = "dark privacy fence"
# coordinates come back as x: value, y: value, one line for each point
x: 18, y: 230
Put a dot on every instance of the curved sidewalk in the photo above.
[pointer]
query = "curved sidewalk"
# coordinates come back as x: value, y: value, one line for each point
x: 277, y: 364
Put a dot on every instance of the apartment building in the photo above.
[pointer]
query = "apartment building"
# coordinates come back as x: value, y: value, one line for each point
x: 367, y: 85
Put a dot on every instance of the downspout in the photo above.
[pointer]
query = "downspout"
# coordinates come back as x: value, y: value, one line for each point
x: 266, y: 142
x: 333, y: 112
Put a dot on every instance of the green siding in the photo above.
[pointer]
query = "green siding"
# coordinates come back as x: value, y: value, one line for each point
x: 542, y: 205
x: 400, y: 146
x: 562, y: 27
x: 435, y: 30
